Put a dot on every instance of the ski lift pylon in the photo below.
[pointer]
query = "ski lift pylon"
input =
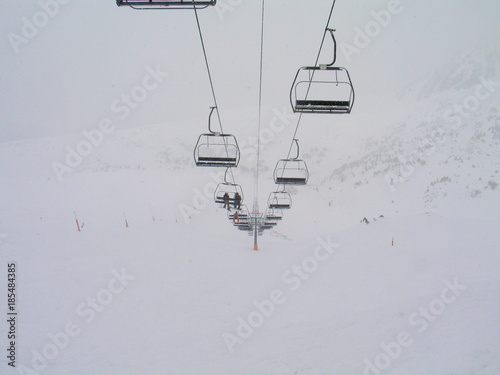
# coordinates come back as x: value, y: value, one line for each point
x: 292, y: 171
x: 216, y: 149
x: 322, y: 89
x: 166, y: 4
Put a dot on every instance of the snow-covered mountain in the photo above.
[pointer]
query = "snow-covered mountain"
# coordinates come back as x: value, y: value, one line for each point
x: 387, y: 262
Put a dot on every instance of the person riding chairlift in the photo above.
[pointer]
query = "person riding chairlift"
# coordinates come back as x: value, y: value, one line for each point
x: 226, y: 201
x: 237, y: 201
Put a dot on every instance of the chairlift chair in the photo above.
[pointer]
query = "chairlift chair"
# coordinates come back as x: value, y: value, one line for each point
x: 230, y: 188
x: 265, y: 226
x: 322, y: 89
x: 273, y: 214
x: 166, y: 4
x: 292, y: 171
x: 240, y: 222
x: 243, y: 215
x: 215, y: 149
x: 269, y: 223
x: 279, y: 200
x: 245, y: 227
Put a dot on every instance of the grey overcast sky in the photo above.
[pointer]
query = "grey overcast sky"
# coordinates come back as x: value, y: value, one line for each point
x: 66, y: 64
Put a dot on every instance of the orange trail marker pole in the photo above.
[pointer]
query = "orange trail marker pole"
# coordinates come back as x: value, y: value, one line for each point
x: 77, y: 223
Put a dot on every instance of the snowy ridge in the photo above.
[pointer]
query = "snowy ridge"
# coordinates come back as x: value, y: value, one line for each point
x: 465, y: 154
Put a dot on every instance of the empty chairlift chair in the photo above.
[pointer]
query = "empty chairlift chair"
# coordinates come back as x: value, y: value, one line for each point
x: 273, y: 215
x: 166, y: 4
x: 216, y: 149
x: 322, y: 89
x: 291, y: 171
x: 280, y: 200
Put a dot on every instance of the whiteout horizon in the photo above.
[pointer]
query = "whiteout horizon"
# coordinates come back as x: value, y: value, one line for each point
x: 31, y: 26
x: 482, y: 92
x: 122, y: 106
x: 372, y: 29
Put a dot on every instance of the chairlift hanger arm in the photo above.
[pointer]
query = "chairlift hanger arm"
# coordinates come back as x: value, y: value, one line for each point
x: 331, y: 31
x: 209, y: 120
x: 298, y: 149
x: 225, y: 175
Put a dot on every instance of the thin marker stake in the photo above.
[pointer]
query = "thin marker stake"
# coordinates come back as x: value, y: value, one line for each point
x: 77, y: 223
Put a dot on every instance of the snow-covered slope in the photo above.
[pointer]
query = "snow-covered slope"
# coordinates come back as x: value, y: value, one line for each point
x: 386, y: 264
x: 421, y: 276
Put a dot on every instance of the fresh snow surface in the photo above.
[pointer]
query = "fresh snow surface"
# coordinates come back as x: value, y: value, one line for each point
x: 159, y: 282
